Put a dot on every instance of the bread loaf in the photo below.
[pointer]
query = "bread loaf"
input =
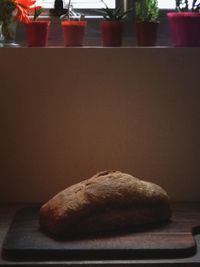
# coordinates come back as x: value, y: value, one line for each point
x: 107, y: 201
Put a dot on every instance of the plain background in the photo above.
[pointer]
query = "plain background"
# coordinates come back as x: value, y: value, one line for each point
x: 68, y: 113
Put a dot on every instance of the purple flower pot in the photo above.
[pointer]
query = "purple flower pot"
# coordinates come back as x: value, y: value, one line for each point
x: 185, y: 28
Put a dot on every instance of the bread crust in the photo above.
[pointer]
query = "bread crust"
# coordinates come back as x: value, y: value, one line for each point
x: 107, y: 201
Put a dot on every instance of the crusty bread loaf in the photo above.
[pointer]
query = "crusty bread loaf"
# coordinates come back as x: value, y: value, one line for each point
x: 109, y: 200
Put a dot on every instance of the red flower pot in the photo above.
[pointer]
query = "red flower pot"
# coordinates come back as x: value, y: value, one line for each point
x: 184, y: 28
x: 37, y: 33
x: 111, y: 32
x: 74, y: 32
x: 146, y: 33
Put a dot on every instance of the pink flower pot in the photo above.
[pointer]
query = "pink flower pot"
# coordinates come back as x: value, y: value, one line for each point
x: 74, y: 32
x: 37, y: 33
x: 146, y: 33
x: 184, y: 28
x: 111, y: 32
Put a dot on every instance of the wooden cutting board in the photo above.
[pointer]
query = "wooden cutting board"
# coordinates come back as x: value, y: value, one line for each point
x: 170, y: 240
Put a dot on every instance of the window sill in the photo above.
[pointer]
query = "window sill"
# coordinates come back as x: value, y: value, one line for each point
x: 107, y: 48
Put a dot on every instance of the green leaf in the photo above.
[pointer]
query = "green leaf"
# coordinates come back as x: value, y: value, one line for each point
x: 146, y: 10
x: 113, y: 14
x: 37, y: 13
x: 125, y: 13
x: 117, y: 11
x: 6, y: 9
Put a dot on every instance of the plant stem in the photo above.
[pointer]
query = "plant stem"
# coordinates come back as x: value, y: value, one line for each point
x: 69, y: 4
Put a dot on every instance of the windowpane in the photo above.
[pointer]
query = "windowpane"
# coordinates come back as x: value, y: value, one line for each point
x: 170, y: 4
x: 166, y: 4
x: 78, y: 4
x: 89, y: 4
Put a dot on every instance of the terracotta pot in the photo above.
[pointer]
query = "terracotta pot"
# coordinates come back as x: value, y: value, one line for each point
x: 111, y: 32
x: 73, y: 32
x: 184, y: 28
x: 146, y: 33
x: 37, y: 33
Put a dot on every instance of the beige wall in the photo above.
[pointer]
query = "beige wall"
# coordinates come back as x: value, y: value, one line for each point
x: 67, y: 113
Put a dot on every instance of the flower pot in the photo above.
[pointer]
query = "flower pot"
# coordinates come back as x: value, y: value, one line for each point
x: 37, y: 33
x: 73, y: 32
x: 146, y: 33
x: 111, y: 32
x: 184, y: 28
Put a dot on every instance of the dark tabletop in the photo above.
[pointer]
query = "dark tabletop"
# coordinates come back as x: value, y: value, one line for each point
x: 189, y: 212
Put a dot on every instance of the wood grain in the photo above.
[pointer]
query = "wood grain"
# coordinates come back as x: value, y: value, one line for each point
x: 174, y: 239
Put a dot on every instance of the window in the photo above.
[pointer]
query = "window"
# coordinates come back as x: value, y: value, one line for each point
x: 95, y: 4
x: 170, y: 4
x: 166, y: 4
x: 89, y: 9
x: 79, y: 4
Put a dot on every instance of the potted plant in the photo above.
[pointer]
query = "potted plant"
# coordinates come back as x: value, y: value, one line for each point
x: 37, y: 30
x: 12, y: 11
x: 146, y: 15
x: 185, y: 24
x: 73, y: 30
x: 112, y: 25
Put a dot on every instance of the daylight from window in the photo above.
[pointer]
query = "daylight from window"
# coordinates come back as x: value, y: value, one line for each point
x: 78, y: 3
x: 163, y: 4
x: 166, y: 4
